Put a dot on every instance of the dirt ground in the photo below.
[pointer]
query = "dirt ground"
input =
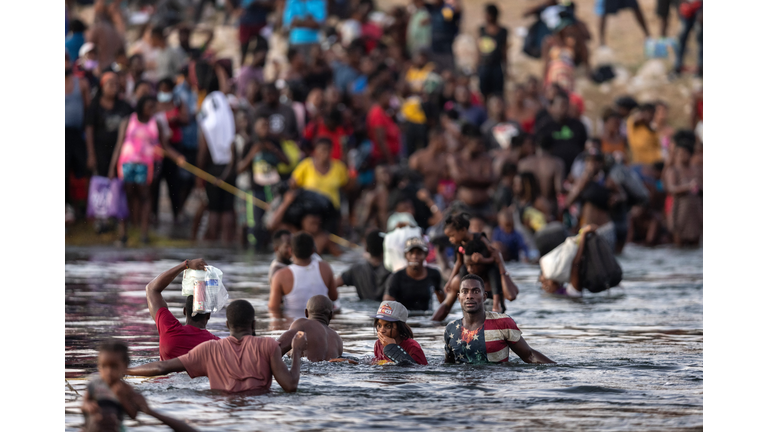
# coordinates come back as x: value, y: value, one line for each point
x: 644, y: 79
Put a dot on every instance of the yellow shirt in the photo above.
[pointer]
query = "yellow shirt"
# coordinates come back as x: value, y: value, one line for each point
x: 643, y: 143
x: 307, y: 177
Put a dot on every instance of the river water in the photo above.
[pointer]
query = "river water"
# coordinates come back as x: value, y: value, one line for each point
x: 628, y: 359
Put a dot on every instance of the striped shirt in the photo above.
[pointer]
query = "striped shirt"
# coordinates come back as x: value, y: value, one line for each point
x: 488, y: 343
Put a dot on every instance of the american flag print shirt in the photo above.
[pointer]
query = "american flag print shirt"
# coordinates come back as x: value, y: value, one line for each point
x: 488, y: 343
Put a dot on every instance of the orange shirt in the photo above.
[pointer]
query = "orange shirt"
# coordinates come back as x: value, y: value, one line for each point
x: 233, y: 365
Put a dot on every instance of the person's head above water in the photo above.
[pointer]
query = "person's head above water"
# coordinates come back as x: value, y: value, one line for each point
x: 319, y: 308
x: 472, y: 295
x: 241, y: 318
x: 390, y: 319
x: 200, y: 320
x: 456, y: 228
x: 374, y: 244
x: 281, y: 243
x: 303, y: 246
x: 113, y: 360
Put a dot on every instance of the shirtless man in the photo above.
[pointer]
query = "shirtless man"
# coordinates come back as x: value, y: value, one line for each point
x: 323, y: 342
x: 472, y: 170
x: 431, y: 162
x: 549, y: 171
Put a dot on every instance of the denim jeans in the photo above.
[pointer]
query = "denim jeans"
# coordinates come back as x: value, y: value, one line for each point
x: 685, y: 31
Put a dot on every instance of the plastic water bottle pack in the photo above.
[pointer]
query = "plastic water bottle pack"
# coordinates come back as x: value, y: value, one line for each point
x: 206, y: 287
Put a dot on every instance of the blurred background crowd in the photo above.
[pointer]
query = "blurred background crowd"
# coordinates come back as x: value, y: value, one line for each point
x: 340, y: 117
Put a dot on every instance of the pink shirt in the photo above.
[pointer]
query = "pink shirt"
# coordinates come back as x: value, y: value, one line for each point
x: 141, y: 145
x: 233, y: 365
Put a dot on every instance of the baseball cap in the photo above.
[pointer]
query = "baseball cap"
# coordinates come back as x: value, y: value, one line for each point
x: 416, y: 242
x: 391, y: 311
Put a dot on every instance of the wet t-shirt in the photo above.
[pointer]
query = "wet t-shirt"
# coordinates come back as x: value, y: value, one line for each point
x: 413, y: 294
x: 233, y: 365
x: 409, y: 345
x: 176, y: 339
x: 369, y: 281
x: 489, y: 343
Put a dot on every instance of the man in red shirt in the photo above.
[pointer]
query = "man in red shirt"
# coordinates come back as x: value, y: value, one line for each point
x: 176, y: 339
x: 382, y: 130
x: 240, y: 362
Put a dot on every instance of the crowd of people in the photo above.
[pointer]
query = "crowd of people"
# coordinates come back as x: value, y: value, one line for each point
x: 366, y: 131
x: 369, y: 118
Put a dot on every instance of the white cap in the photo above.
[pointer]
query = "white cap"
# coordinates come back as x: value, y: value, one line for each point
x: 86, y: 48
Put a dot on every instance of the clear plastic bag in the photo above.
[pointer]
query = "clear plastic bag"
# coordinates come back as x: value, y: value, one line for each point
x: 207, y: 289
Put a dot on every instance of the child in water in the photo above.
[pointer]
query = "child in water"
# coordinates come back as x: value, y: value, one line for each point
x: 396, y: 343
x: 458, y: 233
x: 108, y: 398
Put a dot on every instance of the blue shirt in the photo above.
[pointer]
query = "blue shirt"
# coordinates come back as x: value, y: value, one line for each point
x: 512, y: 241
x: 303, y: 9
x: 73, y: 44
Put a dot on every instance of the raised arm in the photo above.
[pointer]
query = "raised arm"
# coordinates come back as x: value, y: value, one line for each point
x: 157, y: 368
x: 155, y: 288
x: 451, y: 294
x: 289, y: 379
x: 528, y: 354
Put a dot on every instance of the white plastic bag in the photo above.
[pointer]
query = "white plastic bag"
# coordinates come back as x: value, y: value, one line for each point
x: 394, y: 247
x: 207, y: 289
x: 556, y: 265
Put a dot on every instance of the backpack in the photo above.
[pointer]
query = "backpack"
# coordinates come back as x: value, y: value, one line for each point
x: 534, y: 39
x: 598, y: 269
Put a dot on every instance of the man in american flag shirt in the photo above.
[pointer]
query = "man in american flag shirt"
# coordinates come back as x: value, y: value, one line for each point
x: 482, y: 337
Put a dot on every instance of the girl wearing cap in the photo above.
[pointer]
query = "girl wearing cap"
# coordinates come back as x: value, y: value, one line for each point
x: 396, y: 343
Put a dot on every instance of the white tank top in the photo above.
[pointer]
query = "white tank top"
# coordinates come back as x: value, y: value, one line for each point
x: 307, y: 282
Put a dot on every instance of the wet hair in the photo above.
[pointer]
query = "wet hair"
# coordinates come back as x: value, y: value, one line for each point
x: 277, y: 237
x: 374, y: 243
x: 303, y: 245
x: 508, y: 169
x: 457, y: 221
x: 470, y: 276
x: 685, y: 138
x: 78, y: 26
x: 142, y: 103
x: 117, y: 347
x: 476, y: 245
x: 189, y: 306
x: 240, y: 314
x: 403, y: 329
x: 167, y: 81
x: 492, y: 11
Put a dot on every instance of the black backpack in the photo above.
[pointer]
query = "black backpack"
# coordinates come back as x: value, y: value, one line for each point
x: 598, y: 269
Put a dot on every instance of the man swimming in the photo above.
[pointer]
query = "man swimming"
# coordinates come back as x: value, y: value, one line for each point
x: 480, y: 336
x: 323, y: 343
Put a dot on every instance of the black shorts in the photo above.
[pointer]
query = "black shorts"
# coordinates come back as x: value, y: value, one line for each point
x: 219, y: 200
x: 612, y: 7
x: 663, y: 6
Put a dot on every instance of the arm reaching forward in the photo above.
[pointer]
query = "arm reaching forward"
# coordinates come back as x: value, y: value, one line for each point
x: 289, y: 379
